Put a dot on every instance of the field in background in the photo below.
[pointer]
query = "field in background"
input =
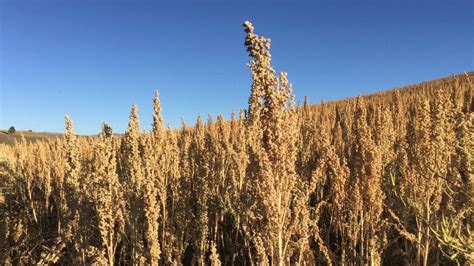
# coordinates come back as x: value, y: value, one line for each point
x: 9, y: 139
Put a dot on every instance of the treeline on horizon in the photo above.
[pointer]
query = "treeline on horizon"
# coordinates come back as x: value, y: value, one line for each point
x: 380, y: 179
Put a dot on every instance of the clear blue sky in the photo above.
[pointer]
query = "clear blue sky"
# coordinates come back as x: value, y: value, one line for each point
x: 94, y: 59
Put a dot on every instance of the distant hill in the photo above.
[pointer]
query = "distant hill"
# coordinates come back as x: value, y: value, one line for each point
x: 9, y: 138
